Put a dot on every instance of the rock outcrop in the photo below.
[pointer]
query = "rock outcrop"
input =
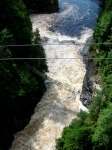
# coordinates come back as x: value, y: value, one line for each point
x: 60, y: 104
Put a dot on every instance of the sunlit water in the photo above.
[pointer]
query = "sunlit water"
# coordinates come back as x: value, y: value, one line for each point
x: 59, y: 105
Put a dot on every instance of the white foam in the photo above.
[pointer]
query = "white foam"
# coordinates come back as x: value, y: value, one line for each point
x: 82, y: 107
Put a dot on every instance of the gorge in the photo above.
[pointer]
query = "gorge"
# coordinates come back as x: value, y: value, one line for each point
x: 61, y: 102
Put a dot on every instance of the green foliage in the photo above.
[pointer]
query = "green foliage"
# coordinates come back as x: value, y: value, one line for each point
x: 20, y: 88
x: 93, y: 131
x: 103, y: 34
x: 103, y: 30
x: 6, y: 37
x: 77, y: 136
x: 20, y: 91
x: 103, y: 132
x: 97, y: 105
x: 15, y: 17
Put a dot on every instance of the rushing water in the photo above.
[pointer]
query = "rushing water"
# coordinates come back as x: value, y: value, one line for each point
x: 75, y: 16
x: 74, y: 22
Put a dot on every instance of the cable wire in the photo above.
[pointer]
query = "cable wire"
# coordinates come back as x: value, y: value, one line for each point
x: 71, y: 43
x: 52, y: 58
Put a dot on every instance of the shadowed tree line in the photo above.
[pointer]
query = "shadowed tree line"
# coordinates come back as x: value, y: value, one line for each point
x: 93, y: 130
x: 41, y: 6
x: 20, y: 88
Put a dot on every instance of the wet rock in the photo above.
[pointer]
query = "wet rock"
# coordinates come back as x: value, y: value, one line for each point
x: 61, y: 102
x: 47, y: 84
x: 45, y: 39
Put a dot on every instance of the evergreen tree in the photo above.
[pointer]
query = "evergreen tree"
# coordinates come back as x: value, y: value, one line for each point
x: 102, y: 136
x: 41, y: 6
x: 20, y: 88
x: 77, y: 136
x: 94, y: 131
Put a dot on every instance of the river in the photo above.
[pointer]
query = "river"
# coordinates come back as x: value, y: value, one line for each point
x: 59, y: 105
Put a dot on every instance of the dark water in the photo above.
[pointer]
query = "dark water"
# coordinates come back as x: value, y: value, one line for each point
x: 75, y: 16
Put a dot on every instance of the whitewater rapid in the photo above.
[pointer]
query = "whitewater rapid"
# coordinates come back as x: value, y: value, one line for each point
x: 60, y: 104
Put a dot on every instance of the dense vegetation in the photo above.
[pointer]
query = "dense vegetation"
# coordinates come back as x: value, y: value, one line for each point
x: 43, y: 6
x: 20, y: 88
x: 93, y: 130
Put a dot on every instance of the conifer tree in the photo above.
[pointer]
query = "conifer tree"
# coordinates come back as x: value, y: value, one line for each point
x: 20, y: 88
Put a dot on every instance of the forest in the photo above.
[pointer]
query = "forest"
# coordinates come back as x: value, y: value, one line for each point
x: 20, y: 88
x: 93, y: 130
x: 41, y: 6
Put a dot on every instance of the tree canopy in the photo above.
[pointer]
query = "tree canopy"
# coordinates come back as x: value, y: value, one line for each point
x: 41, y: 6
x: 20, y: 88
x: 93, y: 130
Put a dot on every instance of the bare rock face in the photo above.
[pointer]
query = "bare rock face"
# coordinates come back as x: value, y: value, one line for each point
x: 60, y: 104
x: 91, y: 83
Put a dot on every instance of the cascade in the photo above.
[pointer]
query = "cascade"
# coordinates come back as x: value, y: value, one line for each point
x: 60, y: 104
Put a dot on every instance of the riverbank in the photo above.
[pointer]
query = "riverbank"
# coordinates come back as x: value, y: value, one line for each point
x: 67, y: 70
x: 59, y: 106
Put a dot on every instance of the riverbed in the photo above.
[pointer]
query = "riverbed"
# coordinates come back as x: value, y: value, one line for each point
x: 60, y: 104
